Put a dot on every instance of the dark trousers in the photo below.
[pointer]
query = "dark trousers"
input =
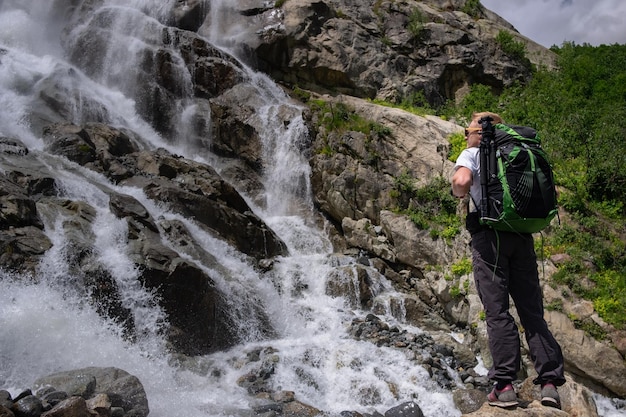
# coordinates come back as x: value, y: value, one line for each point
x: 505, y: 264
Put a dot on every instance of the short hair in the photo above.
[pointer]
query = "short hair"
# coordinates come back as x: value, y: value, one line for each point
x: 479, y: 115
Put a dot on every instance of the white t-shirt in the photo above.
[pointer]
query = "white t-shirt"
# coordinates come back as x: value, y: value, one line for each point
x: 470, y: 159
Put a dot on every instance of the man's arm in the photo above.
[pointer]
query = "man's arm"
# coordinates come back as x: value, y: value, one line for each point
x: 461, y: 182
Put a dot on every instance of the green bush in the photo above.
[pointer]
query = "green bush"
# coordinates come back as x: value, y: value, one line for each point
x: 430, y: 206
x: 457, y: 144
x: 479, y: 98
x: 472, y: 8
x: 416, y: 24
x: 338, y: 117
x: 510, y: 46
x: 462, y: 267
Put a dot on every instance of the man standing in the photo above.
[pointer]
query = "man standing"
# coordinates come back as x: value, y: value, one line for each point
x: 505, y: 263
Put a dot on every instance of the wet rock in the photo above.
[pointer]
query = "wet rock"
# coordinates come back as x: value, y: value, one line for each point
x: 408, y: 409
x: 28, y: 406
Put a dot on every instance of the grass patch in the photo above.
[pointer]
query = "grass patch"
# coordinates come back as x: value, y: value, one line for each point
x: 429, y: 207
x: 472, y: 8
x: 457, y: 144
x: 596, y: 269
x: 414, y: 103
x: 338, y: 117
x: 416, y: 24
x: 513, y: 48
x: 462, y: 267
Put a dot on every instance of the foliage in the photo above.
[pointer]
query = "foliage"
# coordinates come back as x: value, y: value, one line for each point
x: 338, y: 117
x: 416, y: 24
x: 455, y: 291
x: 404, y: 184
x: 302, y: 95
x: 457, y: 144
x: 556, y: 305
x: 430, y: 206
x: 609, y: 296
x: 512, y: 47
x: 462, y: 267
x: 580, y: 112
x: 480, y: 97
x: 590, y: 327
x: 415, y: 103
x: 596, y: 268
x: 472, y: 8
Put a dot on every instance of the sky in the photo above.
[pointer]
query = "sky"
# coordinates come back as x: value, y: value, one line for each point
x: 552, y: 22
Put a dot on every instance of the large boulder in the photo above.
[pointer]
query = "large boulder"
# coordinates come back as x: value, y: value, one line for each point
x: 123, y: 389
x: 576, y: 400
x: 187, y: 187
x: 589, y: 359
x: 356, y: 177
x: 428, y: 50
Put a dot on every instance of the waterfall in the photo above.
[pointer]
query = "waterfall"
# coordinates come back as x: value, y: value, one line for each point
x: 47, y: 326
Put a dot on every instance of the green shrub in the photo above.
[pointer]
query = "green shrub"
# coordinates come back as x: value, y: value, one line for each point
x: 338, y: 117
x: 590, y: 327
x: 455, y: 291
x: 416, y: 24
x: 472, y: 8
x: 449, y: 232
x: 404, y: 184
x: 430, y: 206
x: 419, y: 219
x: 462, y: 267
x: 479, y: 98
x: 510, y: 46
x: 556, y: 305
x: 609, y: 296
x: 457, y: 144
x: 301, y: 94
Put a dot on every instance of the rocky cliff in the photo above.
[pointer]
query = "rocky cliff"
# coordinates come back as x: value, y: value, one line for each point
x: 386, y: 50
x: 343, y: 52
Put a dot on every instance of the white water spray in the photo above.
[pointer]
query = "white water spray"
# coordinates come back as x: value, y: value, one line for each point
x: 47, y: 325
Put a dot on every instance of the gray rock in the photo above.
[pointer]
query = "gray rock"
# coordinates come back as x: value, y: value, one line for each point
x: 28, y: 406
x: 408, y: 409
x: 364, y: 51
x: 123, y: 389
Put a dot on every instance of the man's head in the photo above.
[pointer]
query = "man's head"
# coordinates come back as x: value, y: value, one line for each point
x: 473, y: 132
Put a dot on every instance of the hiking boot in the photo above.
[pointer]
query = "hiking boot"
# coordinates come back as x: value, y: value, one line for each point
x: 504, y: 398
x: 550, y: 396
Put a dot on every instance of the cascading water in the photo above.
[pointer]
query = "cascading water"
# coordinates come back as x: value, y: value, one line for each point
x: 47, y: 326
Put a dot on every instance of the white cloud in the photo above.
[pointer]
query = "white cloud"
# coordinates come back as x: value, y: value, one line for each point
x: 550, y: 22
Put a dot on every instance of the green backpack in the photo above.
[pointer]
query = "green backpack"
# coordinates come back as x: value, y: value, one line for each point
x: 517, y: 181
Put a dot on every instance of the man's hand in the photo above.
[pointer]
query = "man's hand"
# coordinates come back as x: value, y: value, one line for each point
x: 461, y: 182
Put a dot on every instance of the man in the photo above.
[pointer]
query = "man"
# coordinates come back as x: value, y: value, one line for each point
x: 504, y: 263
